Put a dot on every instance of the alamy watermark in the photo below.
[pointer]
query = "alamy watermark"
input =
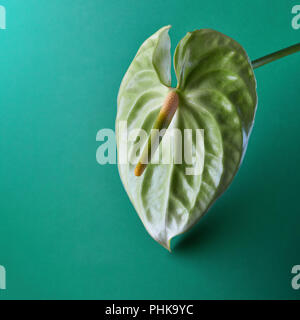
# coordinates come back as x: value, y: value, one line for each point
x: 296, y: 17
x: 2, y: 278
x: 296, y: 278
x: 168, y: 146
x: 2, y: 17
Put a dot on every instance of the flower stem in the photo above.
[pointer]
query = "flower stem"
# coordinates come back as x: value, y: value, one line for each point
x: 275, y: 56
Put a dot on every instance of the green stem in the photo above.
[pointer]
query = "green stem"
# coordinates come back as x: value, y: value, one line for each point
x: 275, y: 56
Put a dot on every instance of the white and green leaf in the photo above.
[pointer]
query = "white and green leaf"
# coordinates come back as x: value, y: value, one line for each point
x: 217, y: 93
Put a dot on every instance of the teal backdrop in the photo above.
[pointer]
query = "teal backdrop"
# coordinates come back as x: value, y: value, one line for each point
x: 67, y: 227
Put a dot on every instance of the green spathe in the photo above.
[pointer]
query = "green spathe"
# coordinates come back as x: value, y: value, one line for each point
x: 217, y: 93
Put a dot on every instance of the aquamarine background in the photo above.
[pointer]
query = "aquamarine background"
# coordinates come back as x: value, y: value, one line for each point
x: 67, y: 228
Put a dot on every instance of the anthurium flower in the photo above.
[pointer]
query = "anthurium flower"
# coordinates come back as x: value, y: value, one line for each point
x: 215, y: 92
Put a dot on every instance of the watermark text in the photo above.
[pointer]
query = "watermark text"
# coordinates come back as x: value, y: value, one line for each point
x: 296, y: 17
x: 2, y: 278
x: 2, y: 17
x: 296, y: 278
x: 168, y: 146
